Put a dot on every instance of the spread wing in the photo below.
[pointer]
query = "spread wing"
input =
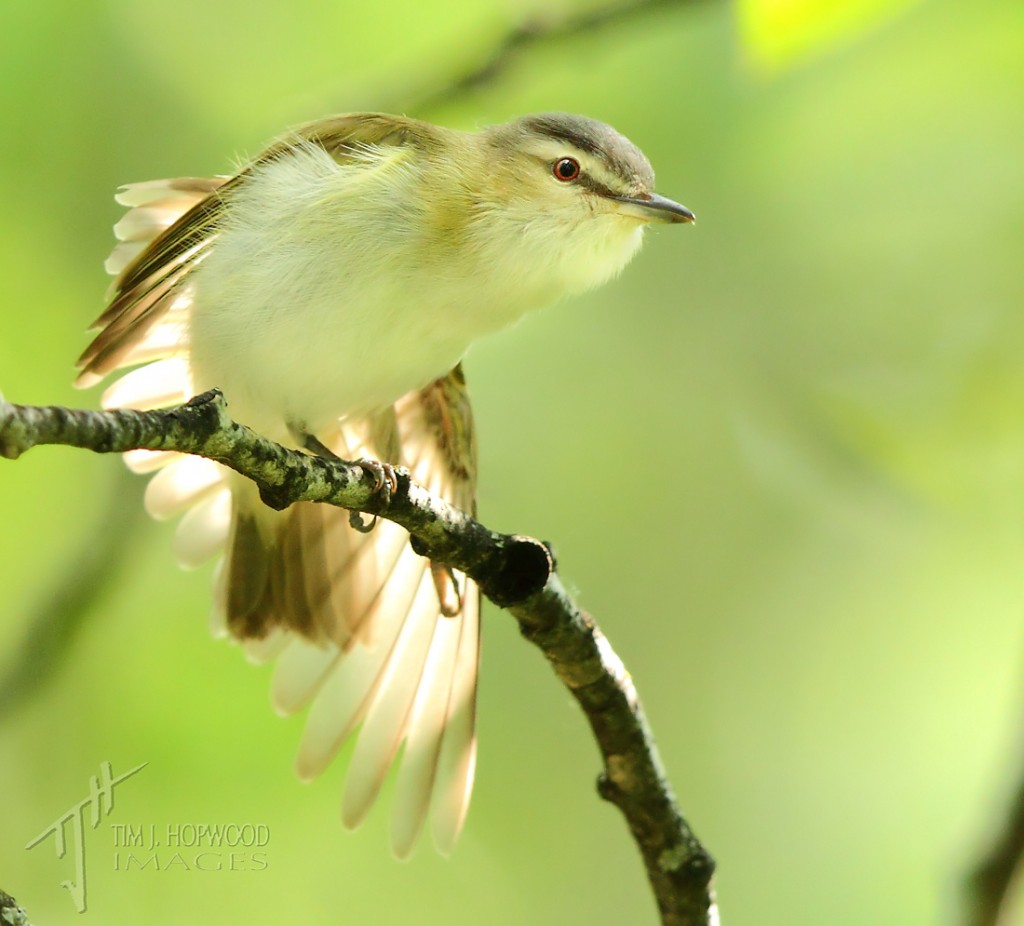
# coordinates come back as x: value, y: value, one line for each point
x: 171, y: 227
x: 168, y: 231
x: 370, y: 635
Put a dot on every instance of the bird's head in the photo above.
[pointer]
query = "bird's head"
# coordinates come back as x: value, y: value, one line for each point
x: 571, y: 195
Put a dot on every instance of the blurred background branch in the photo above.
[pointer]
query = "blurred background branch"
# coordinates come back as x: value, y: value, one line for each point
x: 520, y: 39
x: 991, y: 889
x: 67, y: 600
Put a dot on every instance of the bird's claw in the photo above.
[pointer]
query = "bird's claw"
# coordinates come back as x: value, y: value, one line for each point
x: 355, y: 519
x: 385, y: 484
x: 385, y: 479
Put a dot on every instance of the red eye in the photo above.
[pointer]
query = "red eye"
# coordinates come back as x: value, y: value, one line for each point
x: 566, y: 170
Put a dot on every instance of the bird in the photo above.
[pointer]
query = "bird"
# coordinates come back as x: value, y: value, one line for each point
x: 330, y: 288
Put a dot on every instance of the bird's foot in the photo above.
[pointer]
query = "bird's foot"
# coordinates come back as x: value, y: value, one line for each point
x: 385, y: 484
x: 385, y: 480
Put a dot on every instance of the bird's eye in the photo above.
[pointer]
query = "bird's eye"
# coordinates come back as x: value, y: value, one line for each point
x: 566, y: 170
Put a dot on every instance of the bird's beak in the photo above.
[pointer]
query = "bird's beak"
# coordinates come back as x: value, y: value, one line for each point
x: 649, y: 207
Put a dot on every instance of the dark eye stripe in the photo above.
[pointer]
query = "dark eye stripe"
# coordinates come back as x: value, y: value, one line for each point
x: 594, y: 186
x: 587, y: 181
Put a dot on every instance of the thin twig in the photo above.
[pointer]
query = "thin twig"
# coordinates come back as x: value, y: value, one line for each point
x: 515, y: 572
x: 529, y: 34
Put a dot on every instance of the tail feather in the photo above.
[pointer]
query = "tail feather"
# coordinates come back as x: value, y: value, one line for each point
x: 385, y: 723
x: 299, y: 672
x: 417, y: 774
x: 260, y: 652
x: 356, y: 675
x: 457, y: 760
x: 250, y: 592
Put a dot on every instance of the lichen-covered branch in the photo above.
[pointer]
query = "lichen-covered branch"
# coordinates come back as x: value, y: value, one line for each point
x: 515, y: 572
x: 678, y: 866
x: 10, y: 913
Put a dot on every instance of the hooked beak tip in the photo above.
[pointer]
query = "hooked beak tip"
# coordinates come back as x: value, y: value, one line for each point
x: 654, y: 208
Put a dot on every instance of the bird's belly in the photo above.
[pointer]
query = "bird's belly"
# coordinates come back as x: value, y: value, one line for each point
x: 309, y: 355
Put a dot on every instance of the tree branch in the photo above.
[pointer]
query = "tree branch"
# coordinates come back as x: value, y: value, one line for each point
x: 515, y: 572
x: 10, y: 913
x: 990, y: 885
x: 529, y: 34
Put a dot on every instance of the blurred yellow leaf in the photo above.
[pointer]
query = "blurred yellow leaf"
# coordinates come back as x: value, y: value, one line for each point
x: 779, y: 33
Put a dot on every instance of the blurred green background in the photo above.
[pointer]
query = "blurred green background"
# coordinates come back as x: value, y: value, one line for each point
x: 816, y: 575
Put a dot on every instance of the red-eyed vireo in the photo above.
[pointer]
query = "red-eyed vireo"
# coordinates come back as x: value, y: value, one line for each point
x: 330, y: 290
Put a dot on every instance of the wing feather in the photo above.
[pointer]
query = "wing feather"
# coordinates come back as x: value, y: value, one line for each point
x: 167, y: 233
x: 180, y: 485
x: 164, y: 382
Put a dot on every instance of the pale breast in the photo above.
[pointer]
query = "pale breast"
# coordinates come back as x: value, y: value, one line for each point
x: 314, y: 304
